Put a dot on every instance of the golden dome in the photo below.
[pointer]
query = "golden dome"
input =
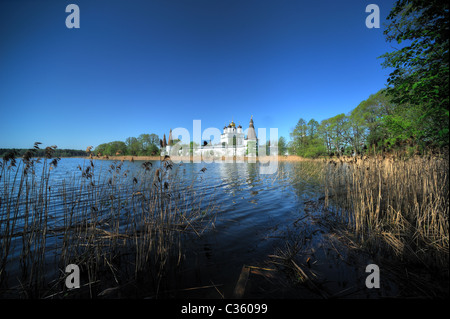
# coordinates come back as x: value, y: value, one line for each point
x: 232, y: 124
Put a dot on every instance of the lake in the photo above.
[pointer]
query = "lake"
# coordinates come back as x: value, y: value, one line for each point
x: 263, y: 227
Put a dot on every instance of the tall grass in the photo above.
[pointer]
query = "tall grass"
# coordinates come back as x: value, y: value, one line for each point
x: 394, y: 206
x: 121, y: 229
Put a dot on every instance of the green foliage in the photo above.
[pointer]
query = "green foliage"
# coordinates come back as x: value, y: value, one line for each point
x: 307, y: 139
x: 421, y: 67
x: 339, y: 132
x: 316, y: 148
x: 375, y: 122
x: 133, y: 146
x: 412, y: 113
x: 144, y: 145
x: 282, y: 146
x: 252, y: 148
x: 147, y: 144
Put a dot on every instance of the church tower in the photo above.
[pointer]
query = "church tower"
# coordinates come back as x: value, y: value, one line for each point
x: 251, y: 134
x: 252, y: 140
x: 170, y: 138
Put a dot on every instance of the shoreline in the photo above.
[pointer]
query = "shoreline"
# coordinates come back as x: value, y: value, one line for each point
x: 199, y: 159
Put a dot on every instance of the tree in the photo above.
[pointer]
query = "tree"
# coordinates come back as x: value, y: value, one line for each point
x: 298, y: 136
x: 421, y: 68
x: 133, y: 146
x: 366, y: 121
x: 111, y: 148
x: 325, y: 134
x: 153, y: 150
x: 315, y: 148
x: 145, y: 144
x: 338, y: 130
x: 148, y: 144
x: 282, y: 146
x: 144, y: 141
x: 100, y: 149
x: 312, y: 129
x: 116, y: 147
x: 307, y: 140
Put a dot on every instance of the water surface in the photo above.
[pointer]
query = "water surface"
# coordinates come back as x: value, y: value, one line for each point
x: 257, y: 216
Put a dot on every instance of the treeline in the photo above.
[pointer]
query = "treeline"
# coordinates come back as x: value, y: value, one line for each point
x: 368, y: 127
x: 19, y: 152
x: 412, y: 113
x: 375, y: 125
x: 143, y: 145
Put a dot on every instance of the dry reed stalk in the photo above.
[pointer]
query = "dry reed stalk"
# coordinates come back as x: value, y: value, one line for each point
x: 99, y: 226
x: 403, y: 203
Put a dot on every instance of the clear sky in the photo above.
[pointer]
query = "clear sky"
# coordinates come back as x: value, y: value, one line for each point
x: 145, y: 66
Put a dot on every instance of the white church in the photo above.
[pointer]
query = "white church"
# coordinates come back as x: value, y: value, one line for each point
x: 233, y: 142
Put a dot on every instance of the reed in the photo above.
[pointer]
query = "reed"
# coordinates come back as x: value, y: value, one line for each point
x: 120, y: 229
x: 394, y: 208
x: 397, y: 207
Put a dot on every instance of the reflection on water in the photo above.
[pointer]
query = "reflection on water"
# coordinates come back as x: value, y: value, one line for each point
x: 256, y: 212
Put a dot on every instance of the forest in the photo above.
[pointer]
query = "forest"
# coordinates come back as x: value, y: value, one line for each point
x: 143, y: 145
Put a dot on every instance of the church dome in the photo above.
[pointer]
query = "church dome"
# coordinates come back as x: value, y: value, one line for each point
x: 232, y: 124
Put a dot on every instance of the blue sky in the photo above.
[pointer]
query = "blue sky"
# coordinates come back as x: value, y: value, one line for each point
x: 147, y: 66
